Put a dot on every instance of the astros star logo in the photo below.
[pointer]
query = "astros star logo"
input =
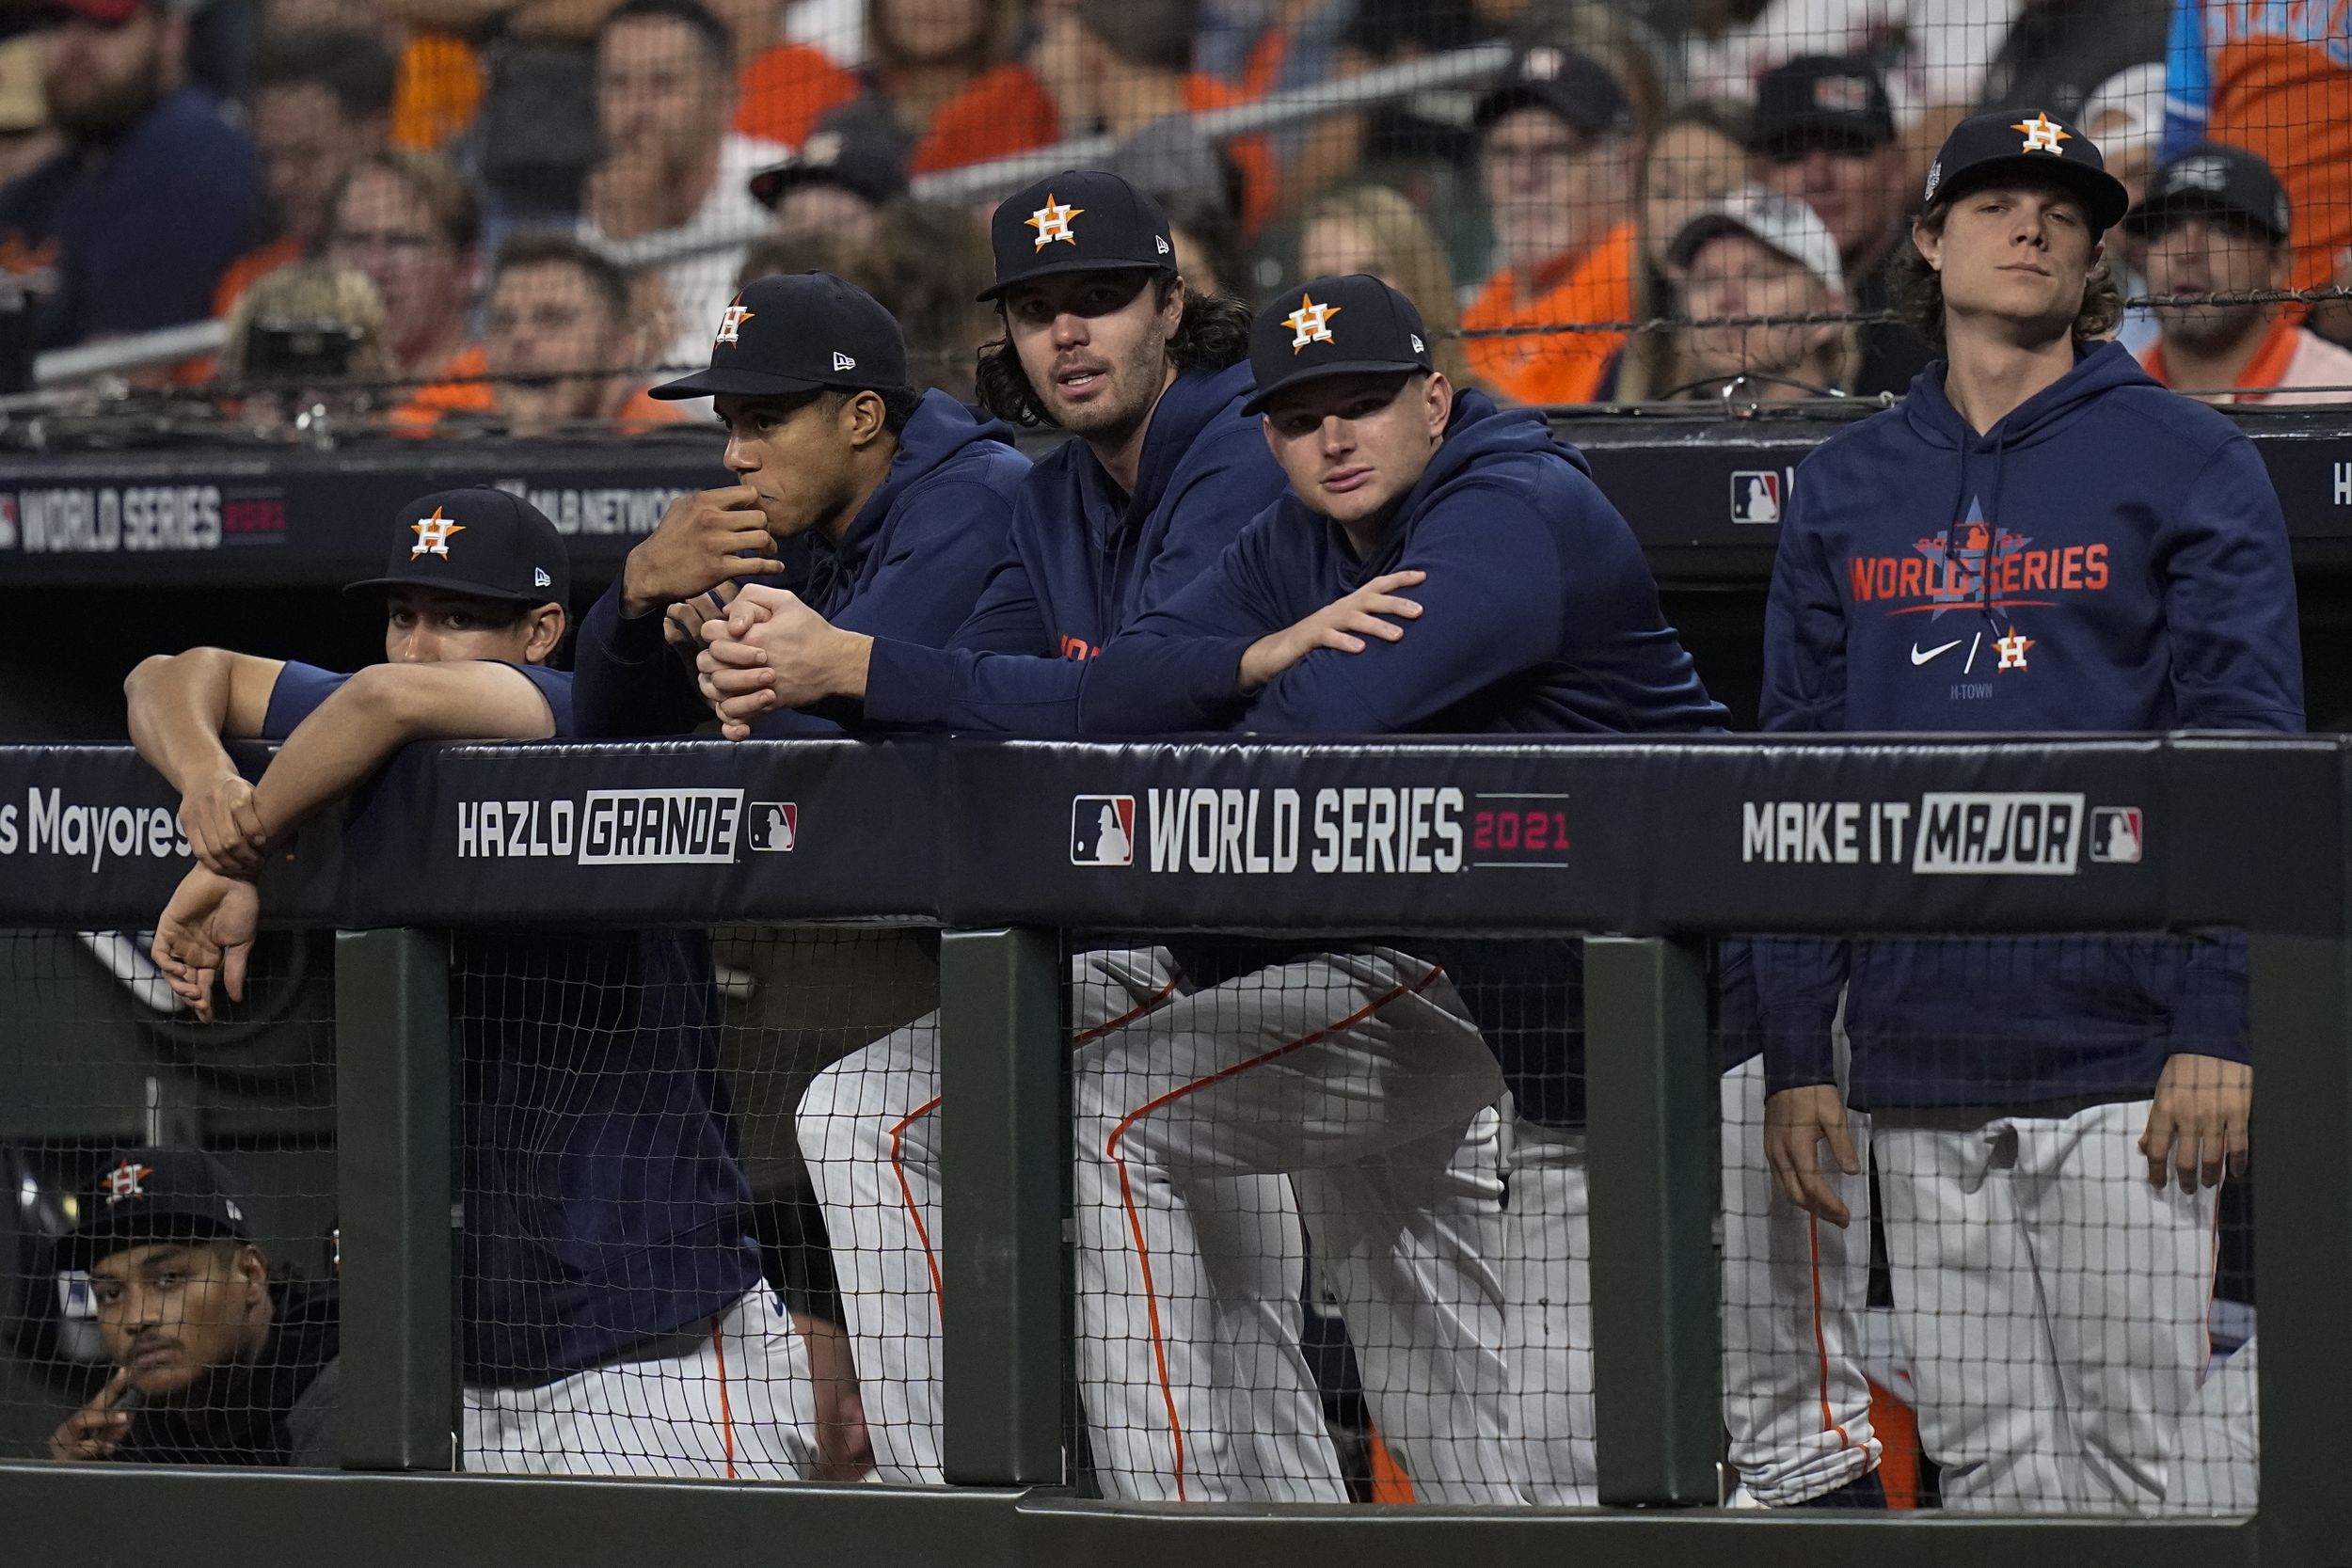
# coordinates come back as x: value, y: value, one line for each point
x: 433, y: 536
x: 2013, y: 648
x: 125, y: 1181
x: 1310, y: 322
x: 2043, y: 133
x: 1053, y: 222
x: 731, y: 324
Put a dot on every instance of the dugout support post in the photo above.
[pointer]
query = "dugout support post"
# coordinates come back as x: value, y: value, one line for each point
x: 2300, y: 1001
x: 1652, y: 1110
x: 395, y: 1152
x: 1003, y: 1048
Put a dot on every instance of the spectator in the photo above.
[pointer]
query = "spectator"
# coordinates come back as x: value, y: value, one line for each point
x: 27, y: 140
x: 2058, y: 53
x: 1935, y: 50
x: 1556, y: 158
x: 1757, y: 254
x: 1202, y: 189
x: 1825, y: 135
x: 308, y: 336
x: 1371, y: 228
x: 839, y: 182
x: 672, y: 170
x: 2276, y: 81
x: 409, y: 223
x: 2125, y: 115
x: 951, y: 74
x: 216, y: 1361
x: 561, y: 336
x: 788, y: 86
x: 130, y: 226
x: 2217, y: 221
x: 321, y: 101
x: 1208, y: 243
x: 1697, y: 156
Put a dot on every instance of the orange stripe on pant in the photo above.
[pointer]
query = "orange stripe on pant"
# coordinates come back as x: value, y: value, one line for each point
x: 726, y: 1407
x: 897, y: 1135
x: 1128, y: 1195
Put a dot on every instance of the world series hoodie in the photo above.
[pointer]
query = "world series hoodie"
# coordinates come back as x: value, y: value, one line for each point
x: 2109, y: 557
x: 911, y: 565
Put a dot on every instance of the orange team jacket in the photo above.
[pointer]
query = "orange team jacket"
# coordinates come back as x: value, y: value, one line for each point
x: 427, y: 405
x: 2274, y: 78
x: 251, y: 268
x: 438, y: 92
x: 1007, y: 110
x: 788, y: 89
x: 1564, y: 367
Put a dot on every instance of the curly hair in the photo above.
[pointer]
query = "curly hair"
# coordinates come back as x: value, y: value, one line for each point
x: 1918, y: 291
x: 1213, y: 334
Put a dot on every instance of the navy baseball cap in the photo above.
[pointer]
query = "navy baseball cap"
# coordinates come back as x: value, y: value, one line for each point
x: 480, y: 542
x: 147, y: 1196
x: 1080, y: 221
x: 1573, y: 86
x: 800, y: 332
x: 1818, y: 98
x: 1299, y: 336
x: 2212, y: 180
x: 871, y: 168
x: 1984, y: 150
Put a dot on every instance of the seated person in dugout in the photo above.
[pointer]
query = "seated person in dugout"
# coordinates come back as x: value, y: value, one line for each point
x: 216, y: 1361
x: 592, y: 1107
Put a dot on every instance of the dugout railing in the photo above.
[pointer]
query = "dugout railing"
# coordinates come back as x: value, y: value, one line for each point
x: 1669, y: 845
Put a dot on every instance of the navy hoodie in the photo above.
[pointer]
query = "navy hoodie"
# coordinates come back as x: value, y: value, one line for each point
x: 605, y: 1205
x: 1539, y: 617
x: 1086, y: 558
x: 910, y: 565
x: 2109, y: 557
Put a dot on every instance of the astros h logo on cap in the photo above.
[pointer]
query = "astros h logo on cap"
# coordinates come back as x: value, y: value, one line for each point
x: 127, y: 1179
x: 433, y: 536
x: 731, y: 323
x: 2043, y: 133
x: 1310, y: 322
x: 1053, y: 222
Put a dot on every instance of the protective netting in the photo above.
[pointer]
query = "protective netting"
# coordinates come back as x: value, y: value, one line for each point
x: 462, y: 217
x: 169, y: 1294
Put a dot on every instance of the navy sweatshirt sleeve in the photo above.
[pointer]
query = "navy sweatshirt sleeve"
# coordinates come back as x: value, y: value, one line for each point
x: 1797, y: 979
x: 1178, y: 669
x: 1495, y: 598
x: 985, y: 682
x: 627, y: 684
x: 2229, y: 600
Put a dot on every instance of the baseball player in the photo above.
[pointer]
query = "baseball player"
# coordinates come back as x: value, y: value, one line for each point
x: 612, y: 1317
x: 216, y: 1361
x: 2039, y: 538
x: 1102, y: 340
x: 904, y: 499
x: 1438, y: 565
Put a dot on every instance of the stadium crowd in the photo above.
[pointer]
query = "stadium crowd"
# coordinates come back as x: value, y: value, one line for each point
x: 458, y: 201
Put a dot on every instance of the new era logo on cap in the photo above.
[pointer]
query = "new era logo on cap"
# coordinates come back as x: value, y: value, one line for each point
x: 539, y: 578
x: 843, y: 362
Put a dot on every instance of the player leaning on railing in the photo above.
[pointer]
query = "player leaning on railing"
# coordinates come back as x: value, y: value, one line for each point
x: 592, y: 1107
x: 1440, y: 566
x: 1104, y: 340
x: 2040, y: 538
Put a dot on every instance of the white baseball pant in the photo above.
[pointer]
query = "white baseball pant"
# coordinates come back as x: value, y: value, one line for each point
x: 740, y: 1406
x: 2218, y: 1468
x: 1362, y: 1076
x: 869, y: 1133
x: 1548, y: 1314
x: 1795, y: 1288
x: 2054, y: 1301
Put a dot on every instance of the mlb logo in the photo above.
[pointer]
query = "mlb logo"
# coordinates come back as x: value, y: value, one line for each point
x: 2115, y: 834
x: 772, y: 825
x: 1102, y: 829
x: 1755, y: 496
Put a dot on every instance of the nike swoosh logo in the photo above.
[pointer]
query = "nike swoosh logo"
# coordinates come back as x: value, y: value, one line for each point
x: 1918, y: 658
